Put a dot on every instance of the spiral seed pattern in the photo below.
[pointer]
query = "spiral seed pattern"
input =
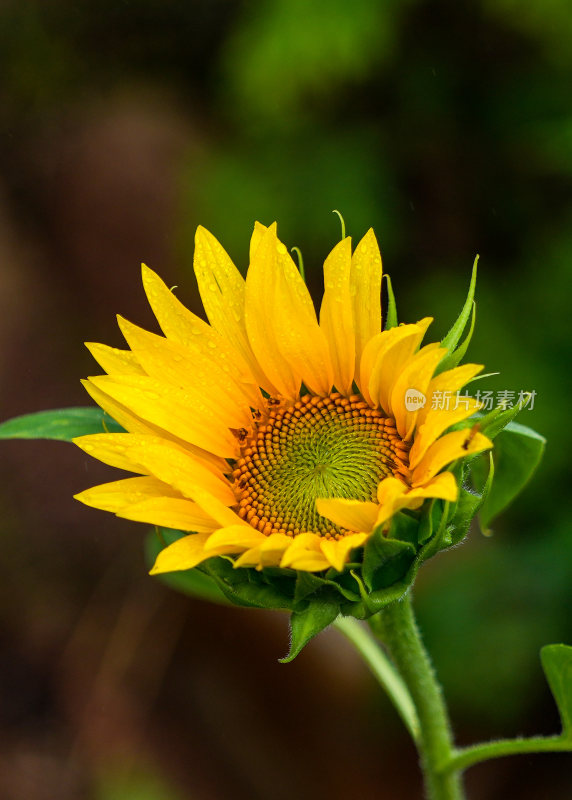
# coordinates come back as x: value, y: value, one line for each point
x: 318, y: 447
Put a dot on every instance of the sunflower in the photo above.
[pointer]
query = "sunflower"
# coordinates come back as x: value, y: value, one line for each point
x: 267, y: 434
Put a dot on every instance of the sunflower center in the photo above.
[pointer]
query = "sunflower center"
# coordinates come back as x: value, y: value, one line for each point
x: 318, y: 447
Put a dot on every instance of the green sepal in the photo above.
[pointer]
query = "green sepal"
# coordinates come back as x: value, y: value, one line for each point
x: 306, y: 624
x: 453, y: 337
x: 391, y: 316
x: 557, y: 665
x: 386, y: 560
x: 516, y: 454
x: 470, y: 501
x: 453, y: 358
x: 252, y: 588
x: 308, y: 583
x: 495, y: 421
x: 374, y: 601
x: 62, y: 424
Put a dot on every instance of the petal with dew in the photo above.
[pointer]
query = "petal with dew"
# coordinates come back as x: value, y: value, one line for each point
x: 177, y: 468
x: 336, y: 318
x: 393, y: 361
x: 299, y: 337
x: 186, y: 414
x: 181, y: 325
x: 261, y: 280
x: 115, y: 361
x: 169, y: 361
x: 116, y: 495
x: 170, y: 512
x: 256, y: 238
x: 222, y: 290
x: 365, y: 280
x: 384, y: 358
x: 133, y: 424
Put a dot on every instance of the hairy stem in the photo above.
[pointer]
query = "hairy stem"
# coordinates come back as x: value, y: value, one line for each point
x: 396, y: 626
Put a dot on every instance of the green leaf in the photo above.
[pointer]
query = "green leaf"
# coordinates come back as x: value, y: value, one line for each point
x: 451, y: 340
x: 516, y: 454
x: 62, y: 424
x: 391, y: 317
x: 194, y: 582
x: 304, y: 625
x: 557, y: 665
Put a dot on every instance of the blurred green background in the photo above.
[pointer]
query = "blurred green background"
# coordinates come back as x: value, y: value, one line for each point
x: 123, y: 125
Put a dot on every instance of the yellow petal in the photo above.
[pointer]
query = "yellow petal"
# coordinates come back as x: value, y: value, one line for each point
x: 261, y: 280
x: 185, y: 553
x: 449, y: 381
x: 170, y: 512
x: 337, y: 551
x: 336, y: 318
x: 181, y: 325
x: 256, y: 238
x: 385, y: 357
x: 266, y: 554
x: 437, y: 421
x: 235, y: 537
x: 176, y: 467
x: 119, y: 494
x: 299, y: 337
x: 305, y: 554
x: 413, y: 380
x: 454, y: 445
x: 389, y: 491
x: 185, y: 414
x: 134, y: 424
x: 158, y: 457
x: 111, y: 448
x: 396, y: 496
x: 131, y: 422
x: 350, y: 514
x: 365, y: 280
x: 443, y: 487
x: 114, y: 361
x: 169, y: 361
x: 222, y: 290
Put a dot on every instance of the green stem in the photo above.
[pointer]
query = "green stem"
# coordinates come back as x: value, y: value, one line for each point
x: 468, y: 756
x: 383, y: 670
x: 396, y: 626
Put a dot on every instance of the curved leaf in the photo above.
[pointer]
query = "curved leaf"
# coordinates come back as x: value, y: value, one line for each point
x: 557, y: 665
x: 62, y: 424
x: 516, y: 454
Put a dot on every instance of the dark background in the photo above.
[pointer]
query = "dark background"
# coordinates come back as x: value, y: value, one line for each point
x: 123, y: 125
